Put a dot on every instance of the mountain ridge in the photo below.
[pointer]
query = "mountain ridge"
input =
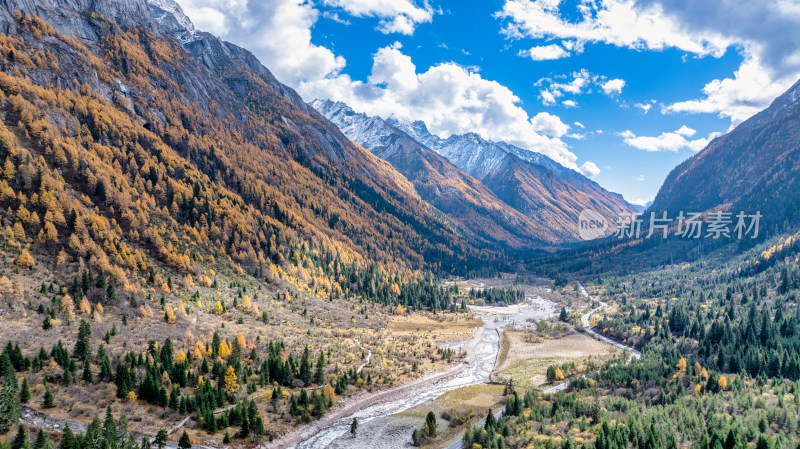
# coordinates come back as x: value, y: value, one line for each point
x: 539, y: 188
x: 437, y: 181
x: 755, y: 166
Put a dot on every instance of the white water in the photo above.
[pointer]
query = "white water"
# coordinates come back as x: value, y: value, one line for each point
x: 482, y: 352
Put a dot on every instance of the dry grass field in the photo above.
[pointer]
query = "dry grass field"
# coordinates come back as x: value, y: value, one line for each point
x: 468, y: 405
x: 525, y: 358
x: 451, y: 326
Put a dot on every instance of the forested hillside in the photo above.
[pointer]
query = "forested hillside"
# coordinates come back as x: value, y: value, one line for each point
x: 181, y: 234
x: 720, y: 364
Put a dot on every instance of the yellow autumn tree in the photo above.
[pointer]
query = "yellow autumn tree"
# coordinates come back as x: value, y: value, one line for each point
x: 199, y: 350
x: 394, y: 290
x: 559, y: 374
x: 722, y: 382
x: 217, y: 309
x: 49, y: 232
x: 247, y: 302
x: 131, y: 397
x: 180, y: 357
x: 240, y: 341
x: 169, y: 314
x: 67, y: 306
x: 25, y: 260
x: 224, y: 349
x: 84, y: 306
x: 231, y: 382
x: 400, y: 309
x: 681, y: 367
x: 329, y: 392
x: 697, y: 389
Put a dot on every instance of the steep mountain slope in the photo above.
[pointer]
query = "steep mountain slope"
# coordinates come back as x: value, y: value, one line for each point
x: 180, y: 235
x: 754, y: 167
x: 163, y: 140
x: 543, y: 190
x: 437, y: 181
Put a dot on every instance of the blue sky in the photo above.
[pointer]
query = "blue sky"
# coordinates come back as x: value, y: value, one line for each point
x: 620, y: 90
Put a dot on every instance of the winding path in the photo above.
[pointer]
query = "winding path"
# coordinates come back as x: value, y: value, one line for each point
x: 588, y: 329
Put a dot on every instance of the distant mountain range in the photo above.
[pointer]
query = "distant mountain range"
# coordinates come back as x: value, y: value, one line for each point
x: 542, y: 193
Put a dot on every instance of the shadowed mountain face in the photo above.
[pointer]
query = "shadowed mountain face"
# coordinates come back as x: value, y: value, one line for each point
x: 753, y: 167
x: 183, y: 129
x: 544, y: 192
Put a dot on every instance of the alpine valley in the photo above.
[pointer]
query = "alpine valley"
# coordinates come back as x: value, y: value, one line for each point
x: 194, y: 256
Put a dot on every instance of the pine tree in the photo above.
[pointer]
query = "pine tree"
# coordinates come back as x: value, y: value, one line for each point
x: 68, y: 440
x: 354, y: 427
x: 305, y: 367
x: 43, y: 441
x: 9, y: 403
x: 161, y: 439
x: 490, y: 421
x: 48, y: 398
x: 83, y: 347
x: 23, y: 439
x: 319, y: 373
x: 25, y: 392
x: 87, y: 373
x: 430, y: 424
x: 185, y: 442
x: 110, y: 430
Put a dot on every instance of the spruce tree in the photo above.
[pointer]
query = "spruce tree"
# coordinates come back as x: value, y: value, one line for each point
x: 25, y: 392
x: 48, y: 398
x: 185, y: 442
x: 23, y: 439
x: 9, y: 403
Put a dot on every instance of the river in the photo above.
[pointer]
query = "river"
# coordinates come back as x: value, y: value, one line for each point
x: 482, y: 352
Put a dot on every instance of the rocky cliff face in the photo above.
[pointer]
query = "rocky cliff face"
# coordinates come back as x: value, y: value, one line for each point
x: 73, y: 17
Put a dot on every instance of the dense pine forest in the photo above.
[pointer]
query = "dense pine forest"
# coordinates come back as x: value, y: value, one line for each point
x: 719, y: 365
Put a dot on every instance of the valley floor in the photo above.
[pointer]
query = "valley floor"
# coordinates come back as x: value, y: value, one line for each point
x: 465, y: 392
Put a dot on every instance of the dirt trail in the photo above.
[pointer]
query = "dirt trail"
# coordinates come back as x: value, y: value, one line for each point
x: 588, y: 329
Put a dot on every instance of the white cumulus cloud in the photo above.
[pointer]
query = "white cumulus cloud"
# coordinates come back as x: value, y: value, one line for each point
x: 397, y: 16
x: 589, y: 169
x: 576, y: 83
x: 750, y: 90
x: 549, y: 124
x: 763, y: 31
x: 545, y: 52
x: 668, y: 141
x: 278, y: 32
x: 613, y: 87
x: 449, y: 98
